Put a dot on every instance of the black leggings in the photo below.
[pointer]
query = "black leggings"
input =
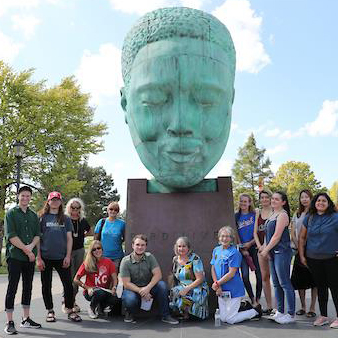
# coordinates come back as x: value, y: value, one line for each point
x: 325, y: 275
x: 46, y: 281
x: 101, y: 298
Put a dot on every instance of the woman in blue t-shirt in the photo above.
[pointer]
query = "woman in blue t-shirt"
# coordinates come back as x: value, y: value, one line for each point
x: 227, y: 282
x: 245, y: 222
x: 111, y: 231
x: 319, y: 234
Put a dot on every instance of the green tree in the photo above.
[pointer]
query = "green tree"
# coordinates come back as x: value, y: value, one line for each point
x: 97, y: 191
x: 250, y: 168
x: 56, y: 126
x: 292, y: 177
x: 334, y: 192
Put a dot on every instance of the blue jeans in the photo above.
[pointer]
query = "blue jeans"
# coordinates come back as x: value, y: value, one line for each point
x: 132, y: 300
x: 280, y: 272
x: 245, y: 275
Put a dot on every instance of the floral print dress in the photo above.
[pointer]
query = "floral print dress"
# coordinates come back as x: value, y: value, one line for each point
x: 195, y: 302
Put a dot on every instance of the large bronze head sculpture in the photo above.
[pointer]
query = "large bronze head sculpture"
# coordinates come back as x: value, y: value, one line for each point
x: 178, y: 68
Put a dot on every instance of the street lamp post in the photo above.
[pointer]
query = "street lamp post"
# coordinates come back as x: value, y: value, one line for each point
x: 18, y: 148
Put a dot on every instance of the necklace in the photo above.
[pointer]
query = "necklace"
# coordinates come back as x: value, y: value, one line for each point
x: 76, y: 229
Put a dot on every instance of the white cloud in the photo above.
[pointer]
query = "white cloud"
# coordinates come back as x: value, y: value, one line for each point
x: 326, y: 121
x: 245, y: 27
x: 274, y: 167
x: 100, y: 74
x: 272, y: 132
x: 287, y: 134
x: 6, y: 5
x: 278, y: 149
x: 9, y: 49
x: 234, y: 126
x: 139, y: 7
x: 142, y: 7
x: 25, y: 23
x: 192, y: 3
x: 222, y: 168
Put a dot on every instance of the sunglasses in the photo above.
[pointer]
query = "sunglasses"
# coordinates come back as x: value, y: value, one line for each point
x: 75, y: 208
x: 112, y: 209
x: 97, y: 248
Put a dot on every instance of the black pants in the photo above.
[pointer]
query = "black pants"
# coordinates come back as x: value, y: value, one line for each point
x: 253, y: 252
x: 46, y: 281
x: 325, y: 276
x: 15, y: 269
x: 101, y: 298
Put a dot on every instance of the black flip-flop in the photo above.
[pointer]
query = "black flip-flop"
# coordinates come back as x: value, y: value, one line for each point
x: 311, y: 314
x: 300, y: 312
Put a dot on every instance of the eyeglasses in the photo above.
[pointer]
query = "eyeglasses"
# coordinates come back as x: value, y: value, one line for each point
x: 112, y: 209
x: 75, y: 208
x: 97, y: 248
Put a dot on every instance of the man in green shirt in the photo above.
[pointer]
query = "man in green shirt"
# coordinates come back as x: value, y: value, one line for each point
x: 22, y: 233
x: 141, y: 277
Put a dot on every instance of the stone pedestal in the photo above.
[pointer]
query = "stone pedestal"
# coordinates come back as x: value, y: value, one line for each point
x: 165, y: 217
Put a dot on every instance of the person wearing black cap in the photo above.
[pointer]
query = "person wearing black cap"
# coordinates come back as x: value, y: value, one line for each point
x: 55, y: 252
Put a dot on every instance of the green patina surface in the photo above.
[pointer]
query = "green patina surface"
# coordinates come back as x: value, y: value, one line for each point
x: 178, y: 67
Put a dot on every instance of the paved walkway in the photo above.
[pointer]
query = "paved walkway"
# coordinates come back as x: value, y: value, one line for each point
x: 146, y: 327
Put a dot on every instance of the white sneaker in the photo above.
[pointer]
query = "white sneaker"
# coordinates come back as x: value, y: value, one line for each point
x: 92, y: 313
x: 276, y: 315
x: 286, y: 319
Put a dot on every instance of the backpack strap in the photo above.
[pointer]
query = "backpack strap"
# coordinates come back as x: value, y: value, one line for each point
x: 99, y: 234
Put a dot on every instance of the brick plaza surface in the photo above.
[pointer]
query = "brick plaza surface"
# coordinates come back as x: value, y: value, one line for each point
x: 147, y: 327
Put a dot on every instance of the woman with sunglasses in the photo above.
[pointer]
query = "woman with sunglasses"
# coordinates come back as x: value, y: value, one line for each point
x: 101, y: 280
x: 54, y: 252
x: 110, y: 231
x: 75, y: 210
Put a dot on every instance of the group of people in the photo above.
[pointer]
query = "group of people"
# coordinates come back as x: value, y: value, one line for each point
x: 267, y: 248
x: 261, y: 242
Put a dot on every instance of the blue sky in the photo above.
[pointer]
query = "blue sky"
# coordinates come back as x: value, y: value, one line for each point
x: 286, y: 79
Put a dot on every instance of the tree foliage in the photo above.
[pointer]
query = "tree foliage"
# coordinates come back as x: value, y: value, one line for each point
x: 56, y: 126
x: 250, y: 168
x: 334, y: 192
x: 97, y: 191
x: 292, y: 177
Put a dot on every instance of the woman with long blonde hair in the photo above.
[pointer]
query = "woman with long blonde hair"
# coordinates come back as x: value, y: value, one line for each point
x: 101, y: 280
x: 75, y: 210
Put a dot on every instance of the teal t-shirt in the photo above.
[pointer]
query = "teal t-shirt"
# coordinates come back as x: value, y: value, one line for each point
x: 112, y: 237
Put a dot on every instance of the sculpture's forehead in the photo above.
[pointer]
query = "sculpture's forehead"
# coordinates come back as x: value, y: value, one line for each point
x: 182, y: 46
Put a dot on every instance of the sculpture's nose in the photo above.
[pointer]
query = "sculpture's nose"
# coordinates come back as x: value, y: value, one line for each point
x: 185, y: 118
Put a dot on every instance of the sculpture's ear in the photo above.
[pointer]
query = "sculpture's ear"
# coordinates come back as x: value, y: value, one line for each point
x: 124, y: 102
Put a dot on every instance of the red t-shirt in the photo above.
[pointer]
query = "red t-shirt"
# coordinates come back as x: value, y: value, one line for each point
x: 102, y: 278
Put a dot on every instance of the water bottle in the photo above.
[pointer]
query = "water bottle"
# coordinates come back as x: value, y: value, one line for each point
x: 217, y: 318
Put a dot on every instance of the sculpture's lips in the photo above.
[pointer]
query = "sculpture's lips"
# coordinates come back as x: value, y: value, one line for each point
x: 184, y: 156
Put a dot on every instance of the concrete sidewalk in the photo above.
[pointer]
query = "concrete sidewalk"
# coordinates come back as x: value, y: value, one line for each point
x: 146, y: 327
